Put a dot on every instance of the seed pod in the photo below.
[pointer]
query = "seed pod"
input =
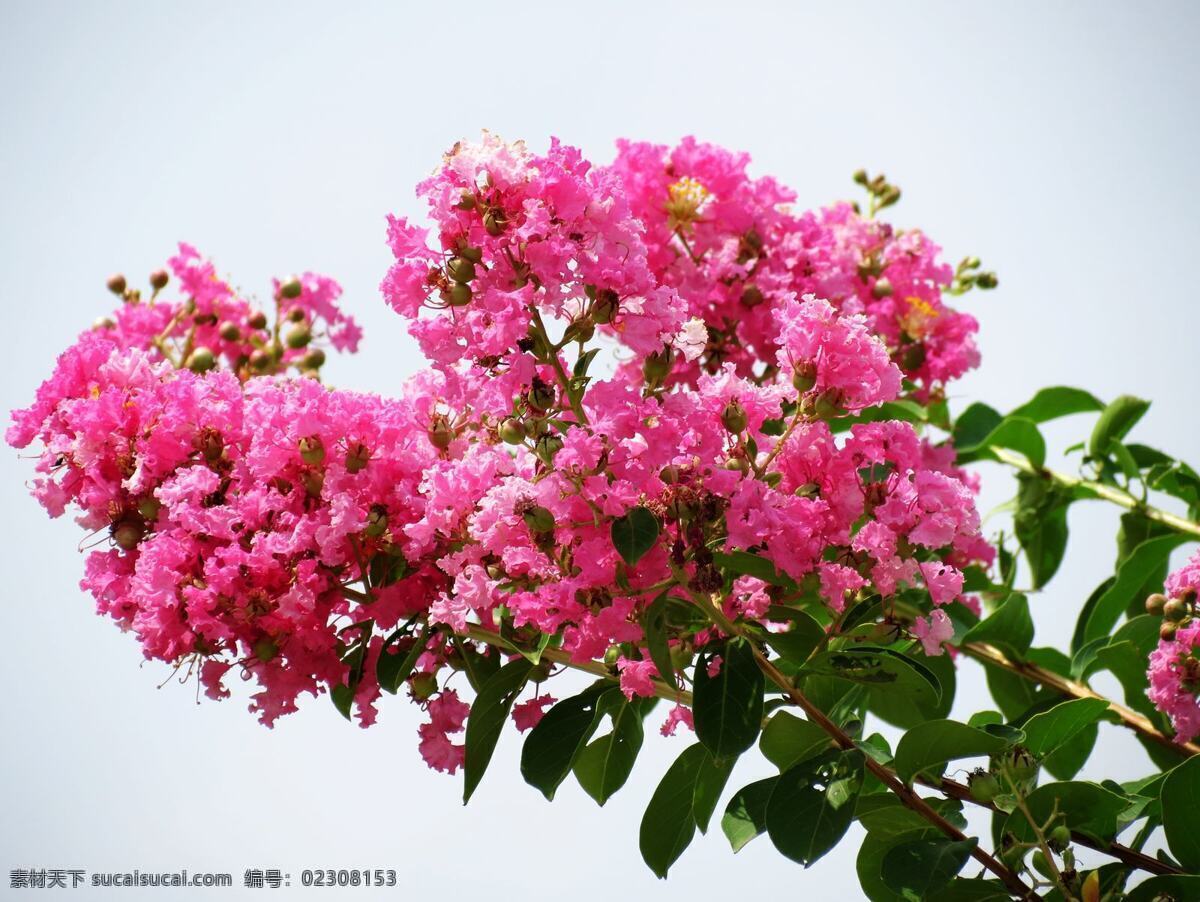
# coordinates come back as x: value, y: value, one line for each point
x: 291, y: 288
x: 541, y: 396
x: 229, y: 331
x: 440, y: 433
x: 460, y: 269
x: 1167, y: 631
x: 539, y: 519
x: 734, y: 417
x: 1155, y: 604
x: 1175, y: 609
x: 882, y: 288
x: 159, y: 279
x: 298, y: 337
x: 201, y: 360
x: 579, y: 330
x: 459, y: 295
x: 358, y: 456
x: 611, y: 655
x: 912, y: 356
x: 466, y: 201
x: 605, y: 307
x: 474, y: 254
x: 805, y: 376
x: 116, y: 284
x: 739, y: 464
x: 808, y: 490
x: 669, y: 474
x: 312, y: 450
x: 657, y: 366
x: 491, y: 224
x: 547, y: 446
x: 256, y: 320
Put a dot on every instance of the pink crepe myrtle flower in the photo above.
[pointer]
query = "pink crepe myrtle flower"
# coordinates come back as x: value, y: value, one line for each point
x: 933, y: 631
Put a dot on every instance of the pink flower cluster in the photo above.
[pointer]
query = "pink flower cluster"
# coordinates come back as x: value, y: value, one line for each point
x: 1174, y: 671
x: 266, y: 523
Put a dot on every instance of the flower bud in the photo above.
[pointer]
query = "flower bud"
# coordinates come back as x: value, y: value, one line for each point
x: 860, y: 177
x: 291, y: 288
x: 116, y: 284
x: 511, y: 431
x: 259, y: 360
x: 611, y: 655
x: 358, y: 456
x: 1155, y: 604
x: 882, y: 287
x: 1167, y: 631
x: 423, y: 686
x: 1042, y: 865
x: 669, y: 474
x: 377, y: 521
x: 313, y: 481
x: 983, y: 786
x: 314, y: 359
x: 540, y: 672
x: 541, y: 396
x: 492, y: 224
x: 805, y: 376
x: 657, y: 366
x: 1175, y: 609
x: 298, y: 337
x: 201, y: 360
x: 605, y: 307
x: 459, y: 295
x: 466, y: 201
x: 441, y: 434
x: 752, y: 296
x: 474, y: 254
x: 987, y: 280
x: 127, y: 534
x: 149, y: 507
x: 312, y: 450
x: 737, y: 463
x: 539, y: 519
x: 460, y: 269
x: 265, y: 649
x: 104, y: 322
x: 912, y: 356
x: 579, y: 330
x: 808, y: 490
x: 828, y: 403
x: 1060, y: 837
x: 229, y: 331
x: 256, y: 320
x: 159, y: 279
x: 547, y: 446
x: 734, y: 417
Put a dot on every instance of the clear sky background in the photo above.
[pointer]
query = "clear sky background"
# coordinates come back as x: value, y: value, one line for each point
x: 1055, y: 140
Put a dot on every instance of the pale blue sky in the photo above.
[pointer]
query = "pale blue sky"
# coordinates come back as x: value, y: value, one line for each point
x: 1055, y: 140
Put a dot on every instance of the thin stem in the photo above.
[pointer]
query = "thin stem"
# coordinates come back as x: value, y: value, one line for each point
x: 561, y: 374
x: 1140, y: 724
x: 1100, y: 490
x: 1038, y: 833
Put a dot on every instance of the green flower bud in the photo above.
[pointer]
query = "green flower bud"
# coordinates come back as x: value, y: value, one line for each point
x: 377, y: 521
x: 1167, y: 631
x: 805, y: 376
x: 159, y: 279
x: 116, y: 284
x: 611, y: 655
x: 882, y: 288
x: 605, y: 308
x: 987, y: 280
x: 201, y: 360
x: 1059, y: 838
x: 752, y: 296
x: 547, y: 446
x: 459, y: 295
x: 149, y: 507
x: 423, y: 686
x: 467, y: 201
x: 440, y: 433
x: 511, y: 431
x: 983, y: 786
x: 474, y: 254
x: 1155, y: 604
x: 540, y: 671
x: 298, y: 337
x: 541, y: 397
x: 669, y: 474
x: 860, y: 177
x: 104, y: 322
x: 657, y: 366
x: 265, y: 649
x: 579, y: 330
x: 291, y: 288
x: 828, y: 404
x: 314, y: 359
x: 739, y: 464
x: 312, y: 450
x: 492, y: 224
x: 734, y: 417
x: 313, y: 481
x: 229, y: 331
x: 259, y: 360
x: 808, y: 490
x: 1175, y: 610
x: 539, y: 519
x: 358, y: 456
x: 127, y: 534
x: 256, y: 320
x: 297, y: 315
x: 460, y: 269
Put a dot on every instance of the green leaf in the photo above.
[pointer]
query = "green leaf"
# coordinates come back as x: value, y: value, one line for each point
x: 553, y: 745
x: 1115, y: 422
x: 905, y: 711
x: 1180, y: 804
x: 1070, y: 757
x: 654, y: 625
x: 728, y: 708
x: 812, y: 804
x: 795, y: 645
x: 1087, y: 808
x: 1009, y: 627
x: 669, y: 824
x: 489, y: 711
x: 603, y: 766
x: 1131, y: 576
x: 710, y: 783
x: 342, y: 697
x: 869, y: 863
x: 919, y: 867
x: 392, y: 670
x: 882, y: 669
x: 634, y: 534
x: 933, y: 744
x: 788, y: 739
x: 1045, y: 733
x: 1173, y: 887
x: 974, y: 424
x: 1040, y: 524
x: 746, y: 563
x: 1058, y: 401
x: 746, y: 814
x: 1017, y: 434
